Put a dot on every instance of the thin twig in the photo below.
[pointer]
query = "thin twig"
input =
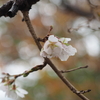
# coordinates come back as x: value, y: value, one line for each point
x: 73, y: 69
x: 26, y: 73
x: 31, y: 29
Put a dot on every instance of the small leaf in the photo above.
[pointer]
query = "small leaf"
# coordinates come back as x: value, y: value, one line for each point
x: 66, y: 44
x: 25, y: 74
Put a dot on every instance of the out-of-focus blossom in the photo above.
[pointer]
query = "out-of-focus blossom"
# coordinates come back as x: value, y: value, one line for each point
x: 60, y: 48
x: 4, y: 87
x: 14, y: 92
x: 11, y: 90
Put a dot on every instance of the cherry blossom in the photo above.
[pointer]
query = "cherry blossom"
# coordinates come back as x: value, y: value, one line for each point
x: 52, y: 47
x: 3, y: 87
x: 11, y: 90
x: 59, y: 48
x: 15, y: 91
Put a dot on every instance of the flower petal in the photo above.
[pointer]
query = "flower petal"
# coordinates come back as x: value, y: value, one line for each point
x: 70, y: 50
x: 43, y: 53
x: 52, y: 38
x: 20, y: 94
x: 11, y: 94
x: 63, y: 56
x: 65, y: 40
x: 3, y: 87
x: 49, y: 50
x: 22, y: 90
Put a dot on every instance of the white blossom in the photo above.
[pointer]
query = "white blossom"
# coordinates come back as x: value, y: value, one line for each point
x: 52, y: 47
x: 60, y: 48
x: 14, y: 92
x: 3, y: 87
x: 65, y: 40
x: 11, y: 90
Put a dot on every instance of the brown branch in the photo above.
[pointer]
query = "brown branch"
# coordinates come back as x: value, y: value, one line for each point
x: 5, y: 8
x: 26, y: 73
x: 31, y: 29
x: 9, y: 81
x: 84, y: 91
x: 73, y: 69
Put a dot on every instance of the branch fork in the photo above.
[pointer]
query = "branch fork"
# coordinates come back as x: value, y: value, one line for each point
x: 10, y: 9
x: 67, y: 83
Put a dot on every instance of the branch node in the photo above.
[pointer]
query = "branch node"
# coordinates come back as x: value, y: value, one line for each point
x: 83, y: 91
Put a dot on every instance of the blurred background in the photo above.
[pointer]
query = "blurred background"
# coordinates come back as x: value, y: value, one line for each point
x: 75, y: 19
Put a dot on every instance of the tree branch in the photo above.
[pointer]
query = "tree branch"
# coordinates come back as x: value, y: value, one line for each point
x: 73, y: 69
x: 13, y: 6
x: 36, y: 68
x: 31, y: 29
x: 5, y: 8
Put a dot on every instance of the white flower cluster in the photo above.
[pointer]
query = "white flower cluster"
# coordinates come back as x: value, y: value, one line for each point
x: 59, y: 48
x: 12, y: 91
